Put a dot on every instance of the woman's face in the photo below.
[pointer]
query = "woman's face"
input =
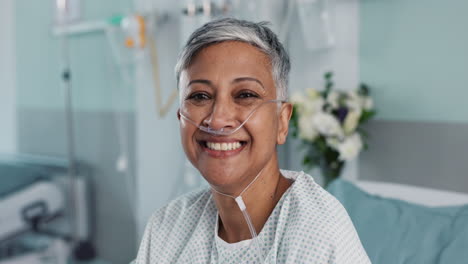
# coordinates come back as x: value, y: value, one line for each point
x: 220, y: 87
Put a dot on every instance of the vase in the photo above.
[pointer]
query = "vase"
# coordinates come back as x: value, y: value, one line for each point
x: 330, y: 170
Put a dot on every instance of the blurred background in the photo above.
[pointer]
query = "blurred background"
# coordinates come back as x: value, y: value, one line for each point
x: 89, y: 137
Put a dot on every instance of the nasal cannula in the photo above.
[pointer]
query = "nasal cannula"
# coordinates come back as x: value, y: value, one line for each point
x: 222, y: 131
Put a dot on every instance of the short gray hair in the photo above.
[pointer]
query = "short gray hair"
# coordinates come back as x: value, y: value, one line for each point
x: 255, y: 34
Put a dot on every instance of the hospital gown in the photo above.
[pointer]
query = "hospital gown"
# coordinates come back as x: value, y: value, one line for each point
x: 308, y: 225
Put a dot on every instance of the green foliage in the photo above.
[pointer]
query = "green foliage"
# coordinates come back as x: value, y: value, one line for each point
x: 294, y: 122
x: 328, y: 83
x: 366, y: 116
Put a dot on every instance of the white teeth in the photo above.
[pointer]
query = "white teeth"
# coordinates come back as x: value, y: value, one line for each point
x: 223, y: 146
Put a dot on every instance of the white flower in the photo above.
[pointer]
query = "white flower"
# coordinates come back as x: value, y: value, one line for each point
x: 350, y: 147
x: 298, y: 98
x: 306, y: 128
x: 357, y: 102
x: 327, y: 124
x: 333, y: 99
x: 353, y: 101
x: 307, y: 105
x: 351, y: 121
x: 312, y: 106
x: 312, y: 93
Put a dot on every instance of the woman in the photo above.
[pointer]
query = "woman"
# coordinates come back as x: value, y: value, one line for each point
x: 232, y: 77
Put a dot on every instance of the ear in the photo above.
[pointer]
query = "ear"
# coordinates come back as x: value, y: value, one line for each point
x: 283, y: 125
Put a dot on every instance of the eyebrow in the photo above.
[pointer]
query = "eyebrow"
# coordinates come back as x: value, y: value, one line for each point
x: 242, y: 79
x: 237, y: 80
x: 200, y: 81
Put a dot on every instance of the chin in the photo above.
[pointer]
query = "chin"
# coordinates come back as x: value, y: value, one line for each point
x: 222, y: 178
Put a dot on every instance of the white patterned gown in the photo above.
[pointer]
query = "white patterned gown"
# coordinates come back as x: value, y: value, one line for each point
x: 308, y: 225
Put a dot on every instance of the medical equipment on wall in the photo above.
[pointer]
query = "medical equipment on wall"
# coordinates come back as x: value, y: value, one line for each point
x: 316, y: 23
x: 193, y: 17
x: 196, y: 13
x: 135, y: 27
x: 162, y: 108
x: 126, y: 37
x: 315, y: 18
x: 129, y: 38
x: 272, y: 11
x: 67, y: 11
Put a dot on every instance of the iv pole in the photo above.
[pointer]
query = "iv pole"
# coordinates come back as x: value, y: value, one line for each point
x: 82, y: 250
x: 62, y: 7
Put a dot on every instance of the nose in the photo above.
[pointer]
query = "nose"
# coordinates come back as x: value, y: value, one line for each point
x: 222, y: 116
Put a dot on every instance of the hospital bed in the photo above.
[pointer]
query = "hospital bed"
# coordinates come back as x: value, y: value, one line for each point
x: 35, y: 221
x: 399, y: 223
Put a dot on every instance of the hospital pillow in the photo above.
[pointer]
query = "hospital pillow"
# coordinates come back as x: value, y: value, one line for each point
x: 396, y: 232
x: 14, y: 176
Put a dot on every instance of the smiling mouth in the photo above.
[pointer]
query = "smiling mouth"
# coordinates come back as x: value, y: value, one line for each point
x: 222, y: 146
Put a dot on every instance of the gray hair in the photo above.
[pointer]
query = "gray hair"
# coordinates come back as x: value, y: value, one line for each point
x: 255, y: 34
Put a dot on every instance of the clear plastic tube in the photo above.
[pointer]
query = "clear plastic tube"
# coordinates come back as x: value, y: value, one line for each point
x: 253, y: 233
x: 222, y: 131
x: 243, y: 208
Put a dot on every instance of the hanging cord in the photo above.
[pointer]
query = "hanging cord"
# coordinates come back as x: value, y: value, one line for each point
x: 162, y: 109
x: 121, y: 124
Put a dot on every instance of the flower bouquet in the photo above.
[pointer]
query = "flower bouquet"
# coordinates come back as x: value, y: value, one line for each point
x: 329, y: 123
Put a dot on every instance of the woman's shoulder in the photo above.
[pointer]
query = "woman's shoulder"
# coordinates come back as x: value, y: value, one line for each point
x: 312, y: 214
x: 311, y: 202
x: 187, y: 203
x: 170, y: 228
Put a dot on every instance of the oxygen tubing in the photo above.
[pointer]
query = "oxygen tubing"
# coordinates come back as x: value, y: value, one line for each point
x: 243, y: 209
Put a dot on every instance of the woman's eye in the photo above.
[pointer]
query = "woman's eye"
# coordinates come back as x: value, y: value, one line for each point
x: 199, y: 97
x: 244, y: 95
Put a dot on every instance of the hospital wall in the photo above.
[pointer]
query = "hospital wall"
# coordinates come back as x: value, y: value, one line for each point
x: 414, y: 55
x: 97, y: 101
x: 7, y: 79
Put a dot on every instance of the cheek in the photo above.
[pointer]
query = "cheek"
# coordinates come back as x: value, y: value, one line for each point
x: 263, y: 131
x: 186, y: 136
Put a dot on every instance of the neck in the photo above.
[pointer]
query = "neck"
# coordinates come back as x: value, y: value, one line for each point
x: 260, y: 199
